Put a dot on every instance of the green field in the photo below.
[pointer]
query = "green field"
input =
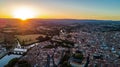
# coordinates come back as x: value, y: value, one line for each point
x: 28, y: 39
x: 1, y: 40
x: 1, y: 37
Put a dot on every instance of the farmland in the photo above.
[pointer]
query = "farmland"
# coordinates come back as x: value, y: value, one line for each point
x: 1, y: 37
x: 28, y: 39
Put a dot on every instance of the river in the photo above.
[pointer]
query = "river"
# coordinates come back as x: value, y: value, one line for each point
x: 7, y: 58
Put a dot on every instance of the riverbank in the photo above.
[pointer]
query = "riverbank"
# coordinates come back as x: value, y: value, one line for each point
x: 2, y: 55
x: 7, y: 58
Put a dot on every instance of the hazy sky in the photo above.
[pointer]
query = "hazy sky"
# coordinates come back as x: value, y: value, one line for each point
x: 75, y: 9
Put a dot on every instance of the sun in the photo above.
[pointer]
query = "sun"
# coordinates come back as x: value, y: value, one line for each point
x: 24, y: 13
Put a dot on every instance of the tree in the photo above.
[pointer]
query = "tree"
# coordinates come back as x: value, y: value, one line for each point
x: 40, y: 38
x: 64, y: 58
x: 66, y: 64
x: 23, y: 42
x: 23, y: 63
x: 78, y: 56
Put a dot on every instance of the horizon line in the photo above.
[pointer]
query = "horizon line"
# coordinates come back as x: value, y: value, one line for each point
x: 62, y: 19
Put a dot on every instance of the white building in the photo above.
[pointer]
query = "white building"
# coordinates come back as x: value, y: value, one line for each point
x: 19, y: 49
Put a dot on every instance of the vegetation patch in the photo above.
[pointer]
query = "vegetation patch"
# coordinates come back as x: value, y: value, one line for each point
x: 28, y: 39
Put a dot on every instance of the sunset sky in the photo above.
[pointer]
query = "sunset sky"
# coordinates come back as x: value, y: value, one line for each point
x: 62, y: 9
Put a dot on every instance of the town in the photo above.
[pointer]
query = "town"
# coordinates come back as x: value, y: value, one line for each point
x: 54, y: 44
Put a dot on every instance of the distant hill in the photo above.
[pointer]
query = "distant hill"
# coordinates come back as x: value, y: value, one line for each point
x: 4, y: 20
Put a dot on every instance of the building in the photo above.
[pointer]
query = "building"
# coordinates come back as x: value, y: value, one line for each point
x: 19, y: 49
